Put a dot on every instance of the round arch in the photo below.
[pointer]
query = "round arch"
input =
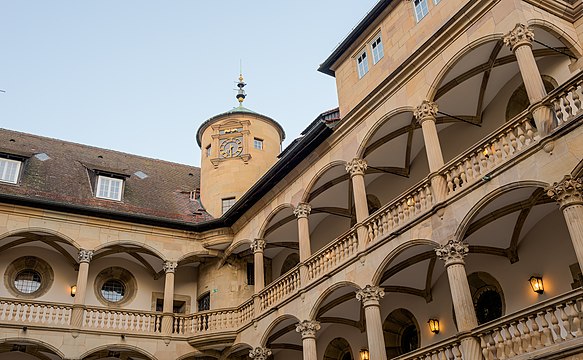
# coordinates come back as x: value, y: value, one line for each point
x: 327, y: 292
x: 559, y: 33
x: 273, y: 325
x: 272, y: 214
x: 321, y: 172
x: 33, y: 341
x: 376, y: 279
x: 121, y: 347
x: 144, y: 246
x: 199, y: 253
x: 62, y: 236
x: 338, y: 349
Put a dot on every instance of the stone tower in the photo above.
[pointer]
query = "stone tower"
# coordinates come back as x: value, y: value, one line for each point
x: 237, y: 148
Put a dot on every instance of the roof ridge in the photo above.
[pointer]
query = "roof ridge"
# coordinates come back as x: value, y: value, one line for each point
x: 96, y: 147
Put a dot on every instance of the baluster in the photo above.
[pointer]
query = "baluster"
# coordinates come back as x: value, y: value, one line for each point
x: 509, y: 346
x: 516, y: 338
x: 565, y: 321
x: 558, y: 111
x: 449, y: 181
x: 462, y: 173
x: 576, y: 99
x: 484, y: 346
x: 555, y: 325
x: 547, y: 337
x: 576, y: 318
x: 499, y: 340
x: 521, y: 137
x: 428, y: 196
x: 529, y: 132
x: 469, y: 169
x: 567, y: 106
x: 457, y: 355
x: 526, y: 339
x: 536, y: 334
x: 505, y: 145
x: 375, y: 229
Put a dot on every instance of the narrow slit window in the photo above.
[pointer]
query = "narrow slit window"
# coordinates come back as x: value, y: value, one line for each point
x: 207, y: 151
x: 9, y: 170
x: 109, y: 188
x: 362, y: 64
x: 377, y: 50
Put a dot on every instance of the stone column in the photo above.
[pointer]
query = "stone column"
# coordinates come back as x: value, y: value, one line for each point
x: 85, y: 257
x: 308, y: 330
x: 369, y: 297
x: 302, y: 211
x: 258, y: 245
x: 425, y: 115
x: 453, y: 254
x: 168, y: 306
x: 569, y: 194
x: 259, y: 353
x: 356, y: 169
x: 520, y: 42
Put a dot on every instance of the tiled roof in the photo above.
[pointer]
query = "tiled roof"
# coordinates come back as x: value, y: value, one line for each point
x: 67, y: 177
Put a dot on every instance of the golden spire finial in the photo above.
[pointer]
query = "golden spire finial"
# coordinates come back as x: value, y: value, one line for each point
x: 241, y: 84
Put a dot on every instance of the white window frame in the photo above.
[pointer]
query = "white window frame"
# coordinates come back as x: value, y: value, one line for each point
x: 377, y: 50
x: 258, y: 143
x: 436, y: 2
x: 108, y: 193
x: 227, y: 203
x: 421, y: 9
x: 362, y: 63
x: 9, y: 170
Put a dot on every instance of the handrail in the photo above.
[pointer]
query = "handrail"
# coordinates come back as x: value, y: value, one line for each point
x: 34, y: 312
x: 448, y: 349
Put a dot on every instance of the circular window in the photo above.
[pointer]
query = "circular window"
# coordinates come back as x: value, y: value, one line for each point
x: 113, y: 290
x: 28, y: 277
x: 27, y: 281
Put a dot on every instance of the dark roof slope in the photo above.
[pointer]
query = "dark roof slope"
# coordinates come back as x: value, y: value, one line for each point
x: 68, y: 179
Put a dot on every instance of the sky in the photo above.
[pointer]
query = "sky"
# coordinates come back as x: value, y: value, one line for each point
x: 140, y: 76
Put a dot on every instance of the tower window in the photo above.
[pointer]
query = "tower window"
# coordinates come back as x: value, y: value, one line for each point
x: 258, y: 144
x: 377, y: 50
x: 109, y: 188
x: 207, y: 151
x: 227, y: 204
x: 362, y: 64
x: 9, y: 170
x: 421, y: 9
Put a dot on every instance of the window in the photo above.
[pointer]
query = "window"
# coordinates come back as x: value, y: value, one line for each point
x: 362, y: 64
x: 421, y: 9
x: 250, y: 274
x: 109, y: 188
x: 377, y: 50
x: 204, y: 302
x: 258, y: 144
x: 207, y: 151
x: 227, y: 204
x: 113, y: 290
x: 27, y: 281
x: 9, y: 170
x: 436, y: 1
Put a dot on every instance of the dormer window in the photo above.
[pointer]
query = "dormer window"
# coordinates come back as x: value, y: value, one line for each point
x: 109, y: 188
x: 9, y: 170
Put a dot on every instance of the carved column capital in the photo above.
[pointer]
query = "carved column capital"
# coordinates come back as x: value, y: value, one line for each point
x: 567, y: 192
x: 519, y: 36
x: 170, y: 266
x: 258, y: 245
x: 259, y: 353
x: 85, y: 256
x: 308, y: 328
x: 356, y: 166
x: 426, y: 111
x: 453, y: 252
x: 302, y: 210
x: 370, y: 295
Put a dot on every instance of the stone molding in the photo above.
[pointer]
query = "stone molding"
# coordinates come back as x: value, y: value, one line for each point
x: 259, y: 353
x: 170, y: 266
x: 567, y: 192
x: 257, y: 245
x: 85, y: 256
x: 356, y: 166
x: 519, y: 36
x: 453, y: 252
x: 426, y: 111
x: 370, y: 295
x: 303, y: 210
x: 308, y: 328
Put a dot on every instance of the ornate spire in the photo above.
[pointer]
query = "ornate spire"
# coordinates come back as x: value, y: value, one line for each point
x: 241, y: 92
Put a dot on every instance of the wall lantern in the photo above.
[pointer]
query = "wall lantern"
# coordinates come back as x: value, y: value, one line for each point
x: 364, y: 355
x: 536, y: 282
x: 73, y: 290
x: 434, y: 325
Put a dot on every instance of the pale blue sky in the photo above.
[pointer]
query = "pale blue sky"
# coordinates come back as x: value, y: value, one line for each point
x: 140, y: 76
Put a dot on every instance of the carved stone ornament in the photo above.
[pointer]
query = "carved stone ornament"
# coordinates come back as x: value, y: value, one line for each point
x: 170, y: 266
x: 302, y: 210
x: 370, y: 294
x: 567, y: 192
x: 426, y: 111
x: 308, y: 328
x: 520, y: 35
x: 258, y: 245
x: 85, y: 255
x: 356, y: 166
x: 259, y: 353
x: 453, y: 252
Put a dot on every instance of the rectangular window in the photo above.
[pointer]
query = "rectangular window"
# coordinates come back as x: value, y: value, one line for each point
x: 109, y: 188
x: 258, y: 144
x: 421, y: 9
x: 227, y: 204
x: 362, y: 64
x: 9, y: 170
x: 377, y: 50
x: 204, y: 302
x: 250, y: 274
x: 207, y: 151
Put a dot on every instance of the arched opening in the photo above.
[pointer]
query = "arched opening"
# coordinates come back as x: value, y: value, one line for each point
x: 283, y: 339
x: 123, y: 352
x: 401, y: 332
x: 338, y: 349
x: 28, y: 349
x: 487, y: 296
x: 519, y: 102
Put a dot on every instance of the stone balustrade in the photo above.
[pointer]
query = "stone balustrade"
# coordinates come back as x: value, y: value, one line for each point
x: 332, y: 255
x: 448, y: 349
x: 556, y: 321
x: 566, y: 101
x: 400, y: 212
x: 125, y: 321
x: 31, y: 312
x: 214, y: 320
x: 280, y: 289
